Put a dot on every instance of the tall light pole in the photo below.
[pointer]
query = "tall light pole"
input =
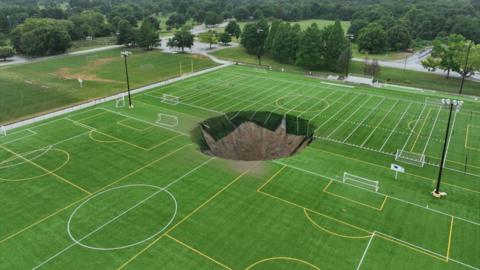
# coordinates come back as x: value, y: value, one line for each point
x: 452, y: 104
x: 349, y: 54
x: 125, y: 55
x: 464, y: 73
x: 259, y: 48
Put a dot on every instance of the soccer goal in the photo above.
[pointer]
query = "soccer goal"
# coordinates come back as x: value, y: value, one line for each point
x: 360, y: 182
x: 167, y: 120
x: 3, y: 131
x: 416, y: 159
x: 169, y: 99
x: 120, y: 102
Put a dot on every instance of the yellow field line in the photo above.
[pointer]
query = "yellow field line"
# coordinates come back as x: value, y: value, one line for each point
x: 284, y: 259
x: 450, y: 238
x: 271, y: 178
x: 383, y: 204
x: 198, y: 252
x: 90, y: 135
x: 385, y: 168
x: 421, y: 129
x: 330, y: 232
x: 356, y: 227
x: 351, y: 200
x: 41, y: 220
x: 181, y: 221
x: 410, y: 247
x: 164, y: 142
x: 46, y: 170
x: 66, y: 207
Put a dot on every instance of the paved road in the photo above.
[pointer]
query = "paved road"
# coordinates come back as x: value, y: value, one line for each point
x: 414, y: 62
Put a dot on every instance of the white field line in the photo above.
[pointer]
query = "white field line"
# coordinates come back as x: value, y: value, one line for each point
x: 188, y: 86
x: 123, y: 213
x: 259, y: 101
x: 365, y: 251
x: 338, y: 85
x: 378, y: 193
x: 414, y: 127
x: 396, y: 126
x: 331, y: 105
x: 350, y: 116
x: 237, y: 93
x: 334, y: 115
x: 379, y: 123
x: 32, y: 133
x: 431, y: 131
x: 245, y: 96
x: 363, y: 121
x: 318, y: 102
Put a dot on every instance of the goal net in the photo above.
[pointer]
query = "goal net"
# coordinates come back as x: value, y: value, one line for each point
x: 416, y: 159
x: 169, y: 99
x: 3, y: 131
x: 167, y: 120
x: 360, y: 182
x: 120, y: 102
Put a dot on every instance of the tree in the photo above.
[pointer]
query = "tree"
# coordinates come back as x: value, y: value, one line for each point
x: 212, y: 18
x: 285, y: 43
x: 254, y: 36
x: 90, y: 23
x: 431, y: 63
x: 6, y: 52
x: 447, y: 53
x: 233, y: 29
x: 241, y: 13
x: 127, y: 35
x: 39, y: 37
x: 225, y: 38
x: 176, y: 21
x: 399, y: 38
x: 310, y: 52
x: 372, y: 39
x: 182, y: 39
x: 335, y: 45
x: 372, y: 68
x: 148, y: 37
x: 471, y: 65
x: 271, y: 35
x: 356, y: 26
x: 154, y: 22
x: 209, y: 37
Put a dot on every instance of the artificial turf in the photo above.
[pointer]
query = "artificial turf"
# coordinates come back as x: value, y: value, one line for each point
x: 138, y: 195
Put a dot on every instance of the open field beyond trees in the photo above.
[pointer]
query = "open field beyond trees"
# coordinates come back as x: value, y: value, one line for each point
x: 41, y: 86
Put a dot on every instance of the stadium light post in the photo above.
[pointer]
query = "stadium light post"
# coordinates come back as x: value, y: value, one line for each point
x: 349, y: 48
x: 125, y: 55
x: 452, y: 104
x: 259, y: 56
x: 465, y: 67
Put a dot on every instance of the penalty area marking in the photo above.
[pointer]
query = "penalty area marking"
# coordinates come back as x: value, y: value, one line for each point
x: 159, y: 190
x: 47, y: 172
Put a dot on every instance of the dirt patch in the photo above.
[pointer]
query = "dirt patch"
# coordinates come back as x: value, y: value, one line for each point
x: 253, y: 136
x: 70, y: 74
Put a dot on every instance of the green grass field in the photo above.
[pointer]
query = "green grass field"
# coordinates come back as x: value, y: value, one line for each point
x: 114, y: 188
x: 387, y: 75
x: 38, y: 87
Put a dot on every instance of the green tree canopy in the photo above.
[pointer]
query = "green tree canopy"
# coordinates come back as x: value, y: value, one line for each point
x: 335, y: 45
x: 310, y: 53
x: 254, y: 36
x: 399, y: 38
x: 233, y: 29
x: 182, y: 39
x: 212, y: 18
x: 148, y: 36
x: 372, y: 39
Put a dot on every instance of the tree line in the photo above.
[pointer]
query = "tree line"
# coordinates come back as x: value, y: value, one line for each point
x: 314, y: 48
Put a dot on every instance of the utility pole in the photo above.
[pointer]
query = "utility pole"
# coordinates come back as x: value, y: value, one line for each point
x: 464, y: 73
x: 125, y: 55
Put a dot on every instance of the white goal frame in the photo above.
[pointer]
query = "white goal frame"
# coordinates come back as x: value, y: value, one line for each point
x: 360, y: 182
x: 3, y: 131
x: 260, y: 70
x: 167, y: 120
x: 411, y: 158
x: 120, y: 102
x: 170, y: 99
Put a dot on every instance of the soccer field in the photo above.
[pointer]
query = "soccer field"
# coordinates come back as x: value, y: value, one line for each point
x: 117, y: 188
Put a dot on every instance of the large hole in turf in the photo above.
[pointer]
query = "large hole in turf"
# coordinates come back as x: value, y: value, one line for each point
x: 252, y: 136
